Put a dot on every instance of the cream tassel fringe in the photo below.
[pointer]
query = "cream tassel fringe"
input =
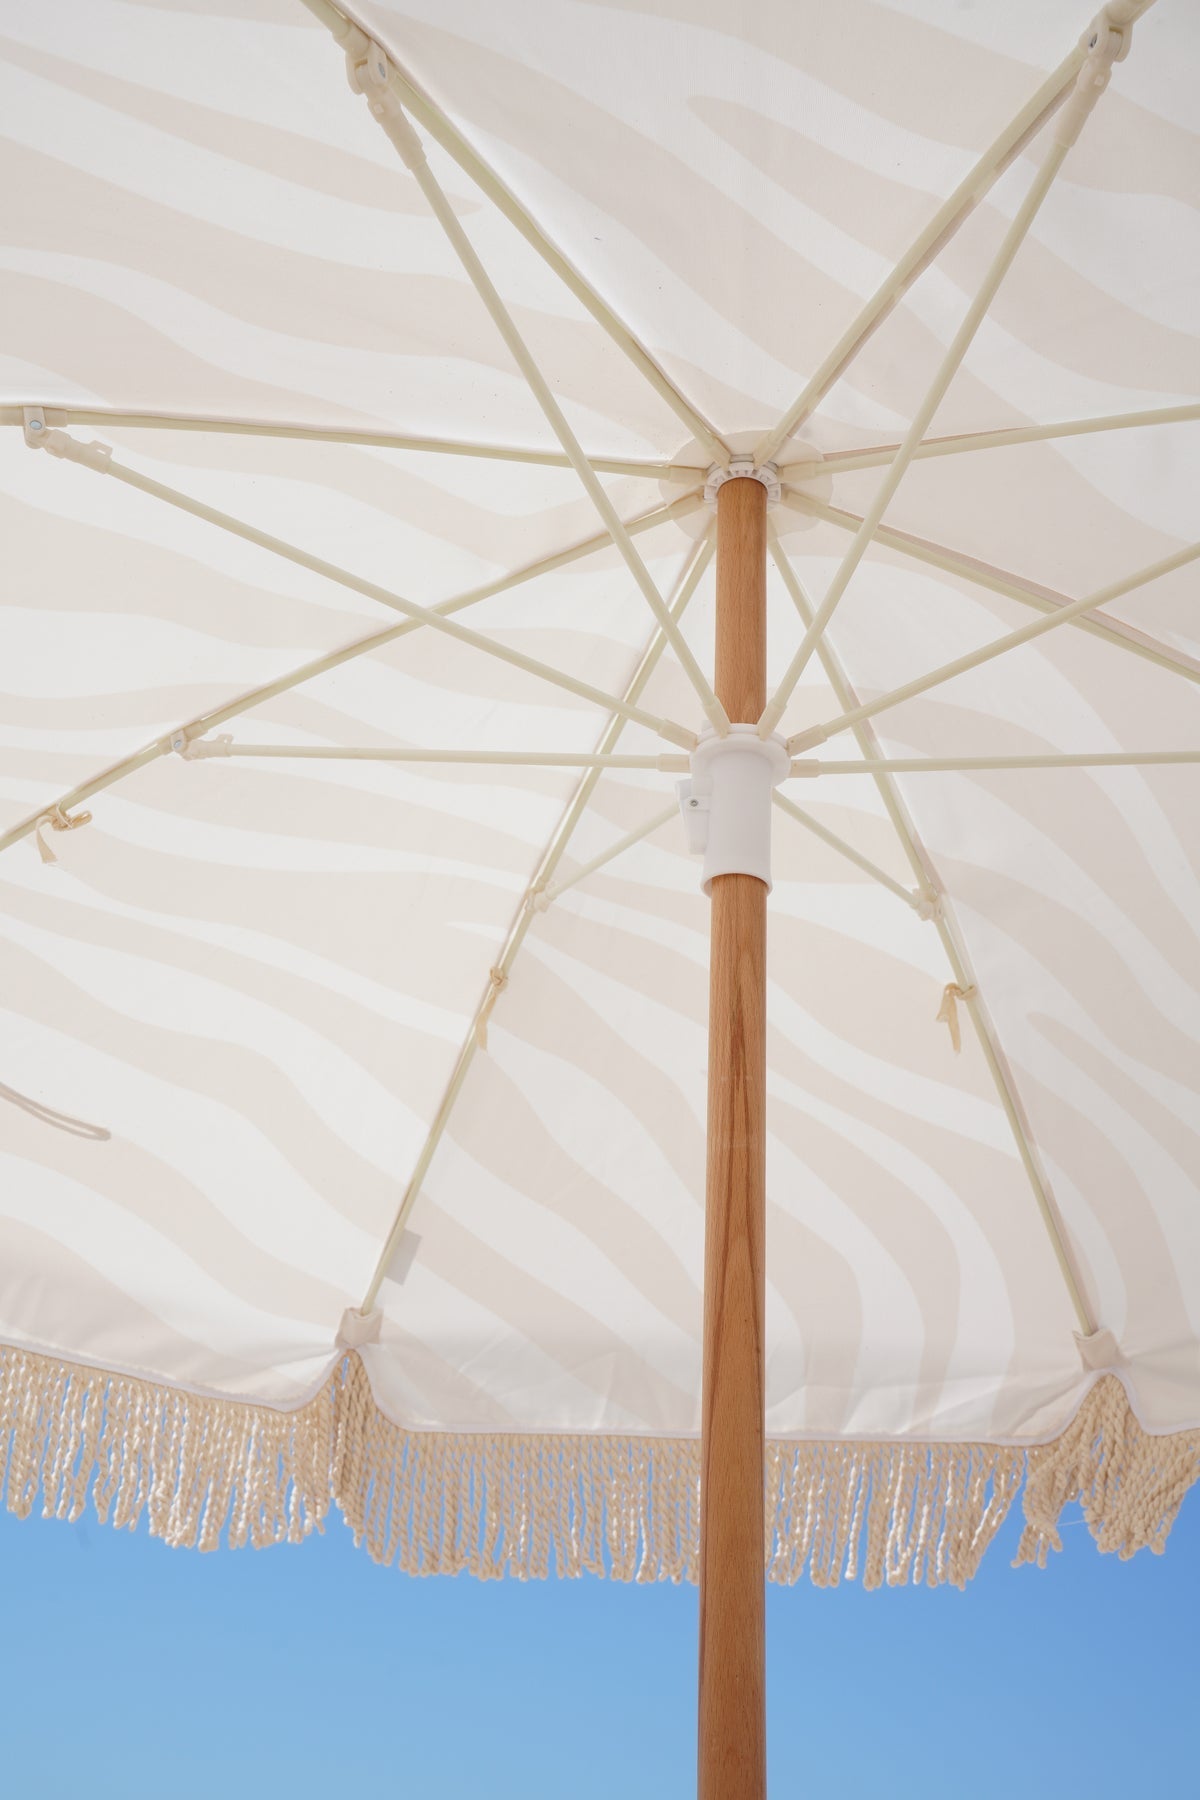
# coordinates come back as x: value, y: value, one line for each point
x: 197, y: 1468
x: 202, y: 1470
x: 1129, y: 1485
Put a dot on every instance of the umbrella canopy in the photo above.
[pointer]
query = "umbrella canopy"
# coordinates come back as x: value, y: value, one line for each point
x: 359, y: 619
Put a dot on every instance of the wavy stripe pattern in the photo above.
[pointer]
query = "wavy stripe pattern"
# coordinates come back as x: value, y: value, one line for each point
x: 259, y: 975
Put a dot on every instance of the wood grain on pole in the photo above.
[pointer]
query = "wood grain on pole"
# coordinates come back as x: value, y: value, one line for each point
x: 732, y: 1720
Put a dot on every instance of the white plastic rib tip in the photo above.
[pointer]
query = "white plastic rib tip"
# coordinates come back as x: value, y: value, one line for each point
x: 726, y: 803
x: 358, y: 1328
x: 1099, y: 1349
x: 743, y: 468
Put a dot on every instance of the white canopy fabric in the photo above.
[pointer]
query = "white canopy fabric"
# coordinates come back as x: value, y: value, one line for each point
x: 303, y: 996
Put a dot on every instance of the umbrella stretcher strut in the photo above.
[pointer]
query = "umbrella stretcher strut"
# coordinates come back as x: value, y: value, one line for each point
x: 728, y: 803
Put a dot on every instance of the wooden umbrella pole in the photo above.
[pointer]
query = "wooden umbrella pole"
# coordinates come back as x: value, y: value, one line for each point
x: 732, y: 1721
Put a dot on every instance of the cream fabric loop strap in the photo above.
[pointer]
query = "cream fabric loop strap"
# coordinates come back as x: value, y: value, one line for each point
x: 499, y: 981
x: 948, y: 1010
x: 57, y: 820
x: 50, y: 1116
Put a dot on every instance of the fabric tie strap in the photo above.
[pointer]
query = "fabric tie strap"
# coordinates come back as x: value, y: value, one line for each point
x: 499, y: 981
x: 57, y: 820
x: 49, y: 1116
x: 948, y: 1010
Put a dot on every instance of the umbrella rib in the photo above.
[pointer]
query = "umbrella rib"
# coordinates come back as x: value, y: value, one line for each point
x: 924, y: 250
x: 203, y: 749
x: 309, y: 671
x: 354, y: 38
x: 401, y: 134
x: 877, y: 456
x: 844, y: 849
x: 552, y: 891
x: 521, y: 922
x: 1013, y: 640
x: 363, y: 436
x: 944, y: 375
x: 99, y: 458
x: 942, y: 765
x: 1013, y: 587
x: 942, y: 915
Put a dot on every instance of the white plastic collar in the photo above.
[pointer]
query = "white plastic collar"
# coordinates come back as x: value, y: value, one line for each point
x: 726, y: 803
x: 743, y: 468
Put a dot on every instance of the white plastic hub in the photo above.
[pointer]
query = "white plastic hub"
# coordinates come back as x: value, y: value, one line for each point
x: 743, y: 468
x: 726, y: 804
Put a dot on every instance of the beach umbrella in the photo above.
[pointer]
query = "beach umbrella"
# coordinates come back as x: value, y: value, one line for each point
x: 599, y: 777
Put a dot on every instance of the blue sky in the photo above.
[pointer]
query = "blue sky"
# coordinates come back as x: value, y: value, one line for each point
x: 131, y: 1670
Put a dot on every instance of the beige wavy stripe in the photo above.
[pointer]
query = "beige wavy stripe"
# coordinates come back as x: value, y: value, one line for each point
x: 258, y: 975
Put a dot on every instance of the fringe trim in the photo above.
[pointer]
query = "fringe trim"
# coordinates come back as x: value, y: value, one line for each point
x: 1129, y: 1485
x: 197, y: 1468
x: 203, y: 1470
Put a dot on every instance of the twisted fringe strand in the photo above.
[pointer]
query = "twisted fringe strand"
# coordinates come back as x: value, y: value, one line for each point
x: 203, y: 1469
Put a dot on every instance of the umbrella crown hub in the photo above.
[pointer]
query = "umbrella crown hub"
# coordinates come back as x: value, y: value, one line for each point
x: 743, y: 468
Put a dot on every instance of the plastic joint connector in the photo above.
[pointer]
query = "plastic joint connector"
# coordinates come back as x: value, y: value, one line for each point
x: 369, y: 71
x: 197, y: 749
x: 1106, y: 41
x: 40, y: 435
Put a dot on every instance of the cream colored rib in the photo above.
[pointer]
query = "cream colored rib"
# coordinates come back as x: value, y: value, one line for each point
x: 941, y: 765
x: 219, y: 715
x: 844, y: 849
x: 202, y: 749
x: 369, y: 438
x: 412, y: 151
x: 522, y: 920
x: 422, y: 615
x: 999, y: 266
x: 440, y: 128
x: 942, y: 914
x: 843, y: 462
x: 614, y: 850
x: 1013, y: 587
x: 940, y: 229
x: 1013, y: 640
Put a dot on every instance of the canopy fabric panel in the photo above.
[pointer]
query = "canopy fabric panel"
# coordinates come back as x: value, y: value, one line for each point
x: 394, y: 1033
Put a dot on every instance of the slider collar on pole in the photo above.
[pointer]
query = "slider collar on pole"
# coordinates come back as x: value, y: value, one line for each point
x: 726, y: 804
